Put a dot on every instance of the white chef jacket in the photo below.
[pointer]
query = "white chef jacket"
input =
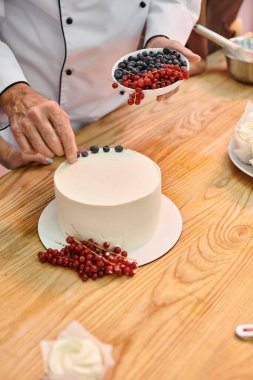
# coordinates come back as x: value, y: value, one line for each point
x: 65, y: 49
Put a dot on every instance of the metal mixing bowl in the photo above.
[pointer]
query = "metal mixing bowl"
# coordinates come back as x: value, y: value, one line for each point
x: 240, y: 70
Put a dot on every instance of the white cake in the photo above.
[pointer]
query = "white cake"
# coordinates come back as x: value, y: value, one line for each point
x: 109, y: 196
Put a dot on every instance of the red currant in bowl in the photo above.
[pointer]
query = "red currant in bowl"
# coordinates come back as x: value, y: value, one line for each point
x: 150, y: 73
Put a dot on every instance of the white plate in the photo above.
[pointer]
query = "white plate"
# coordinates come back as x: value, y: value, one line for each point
x: 149, y: 93
x: 168, y: 232
x: 245, y: 168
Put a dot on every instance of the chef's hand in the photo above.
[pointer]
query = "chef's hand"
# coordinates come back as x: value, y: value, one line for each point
x: 38, y: 124
x: 162, y: 42
x: 12, y: 157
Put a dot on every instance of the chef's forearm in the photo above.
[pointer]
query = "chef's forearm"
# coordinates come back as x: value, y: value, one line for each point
x: 11, y: 96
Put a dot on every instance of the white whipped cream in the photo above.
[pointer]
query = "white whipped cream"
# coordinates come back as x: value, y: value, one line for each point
x: 244, y: 141
x: 72, y: 355
x: 245, y: 131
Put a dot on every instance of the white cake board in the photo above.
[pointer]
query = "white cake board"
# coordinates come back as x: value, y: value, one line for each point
x: 168, y: 232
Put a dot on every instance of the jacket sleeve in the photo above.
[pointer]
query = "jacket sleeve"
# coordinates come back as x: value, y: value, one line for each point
x: 10, y: 70
x: 172, y: 18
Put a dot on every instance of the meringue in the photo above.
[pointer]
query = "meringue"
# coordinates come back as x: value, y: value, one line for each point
x: 244, y: 137
x: 72, y: 355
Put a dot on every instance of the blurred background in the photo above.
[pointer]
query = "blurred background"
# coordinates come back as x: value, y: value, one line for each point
x: 244, y: 19
x: 229, y: 18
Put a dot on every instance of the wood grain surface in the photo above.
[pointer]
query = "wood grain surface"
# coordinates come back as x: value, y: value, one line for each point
x: 176, y: 319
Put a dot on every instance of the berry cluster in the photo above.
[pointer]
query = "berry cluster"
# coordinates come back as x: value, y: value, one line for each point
x: 89, y: 259
x: 150, y: 71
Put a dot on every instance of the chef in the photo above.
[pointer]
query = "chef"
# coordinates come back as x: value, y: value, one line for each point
x: 56, y: 59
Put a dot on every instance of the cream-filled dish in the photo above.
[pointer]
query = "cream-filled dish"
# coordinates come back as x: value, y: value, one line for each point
x: 244, y: 142
x: 109, y: 194
x: 244, y: 136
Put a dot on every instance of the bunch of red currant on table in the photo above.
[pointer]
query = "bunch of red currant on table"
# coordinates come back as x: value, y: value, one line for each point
x: 89, y: 259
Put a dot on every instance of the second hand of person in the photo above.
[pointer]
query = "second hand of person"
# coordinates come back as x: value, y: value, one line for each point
x: 163, y: 42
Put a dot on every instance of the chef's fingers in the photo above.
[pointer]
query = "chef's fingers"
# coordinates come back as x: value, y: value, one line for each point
x: 21, y: 139
x: 81, y: 148
x: 61, y: 123
x: 39, y: 117
x: 37, y: 158
x: 162, y: 42
x: 192, y: 57
x: 35, y: 139
x: 17, y: 158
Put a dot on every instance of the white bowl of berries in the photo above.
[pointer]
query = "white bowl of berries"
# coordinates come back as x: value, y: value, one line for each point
x: 148, y: 73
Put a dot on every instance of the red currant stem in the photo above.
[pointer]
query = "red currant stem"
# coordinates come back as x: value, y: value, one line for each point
x: 94, y: 253
x: 57, y: 242
x: 74, y: 229
x: 78, y: 242
x: 99, y: 246
x: 111, y: 252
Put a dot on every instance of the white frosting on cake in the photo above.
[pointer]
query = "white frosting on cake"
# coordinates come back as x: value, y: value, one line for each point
x: 113, y: 196
x: 76, y: 356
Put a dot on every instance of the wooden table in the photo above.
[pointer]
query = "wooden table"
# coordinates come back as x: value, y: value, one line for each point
x: 176, y: 318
